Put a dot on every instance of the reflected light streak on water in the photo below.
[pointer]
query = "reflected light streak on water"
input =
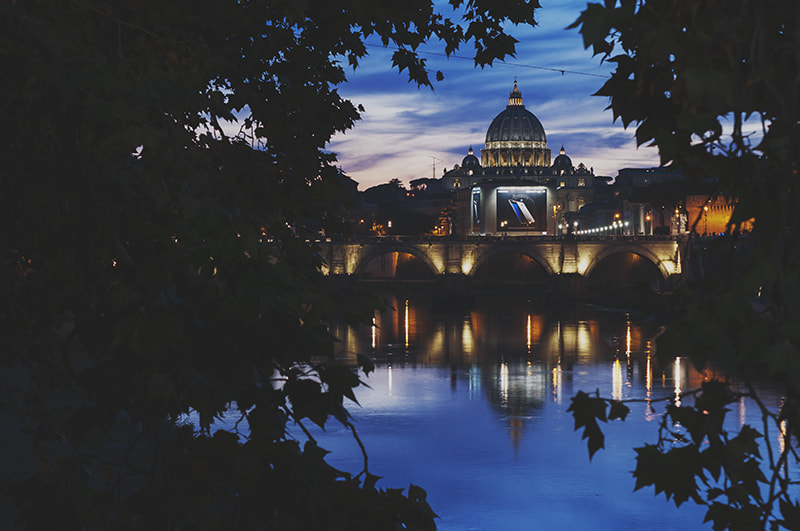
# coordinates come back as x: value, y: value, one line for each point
x: 616, y: 380
x: 529, y: 334
x: 504, y: 383
x: 467, y: 339
x: 474, y: 382
x: 676, y: 375
x: 628, y: 334
x: 782, y: 436
x: 405, y: 321
x: 742, y: 412
x: 557, y: 382
x: 374, y: 332
x: 649, y: 413
x: 648, y: 372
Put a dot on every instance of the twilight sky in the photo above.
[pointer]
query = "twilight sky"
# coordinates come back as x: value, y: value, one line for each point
x: 405, y: 129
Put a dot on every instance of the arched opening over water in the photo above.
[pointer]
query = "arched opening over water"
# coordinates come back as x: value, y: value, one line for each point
x: 625, y: 270
x: 512, y: 268
x: 395, y: 265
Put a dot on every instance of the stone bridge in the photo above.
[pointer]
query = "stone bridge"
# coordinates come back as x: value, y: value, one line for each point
x: 561, y: 257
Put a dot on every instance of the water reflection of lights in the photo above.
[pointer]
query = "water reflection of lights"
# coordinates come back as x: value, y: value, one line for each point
x: 467, y: 339
x: 374, y: 332
x: 616, y: 380
x: 557, y: 383
x: 504, y: 383
x: 782, y: 436
x: 405, y: 321
x: 649, y: 412
x: 676, y: 375
x: 529, y: 333
x: 570, y: 339
x: 628, y: 335
x: 474, y: 382
x: 742, y: 412
x: 389, y: 375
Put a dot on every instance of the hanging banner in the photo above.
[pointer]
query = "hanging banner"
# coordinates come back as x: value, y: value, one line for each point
x: 477, y: 218
x: 521, y: 209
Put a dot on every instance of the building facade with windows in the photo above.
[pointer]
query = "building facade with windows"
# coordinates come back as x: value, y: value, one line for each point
x: 515, y: 187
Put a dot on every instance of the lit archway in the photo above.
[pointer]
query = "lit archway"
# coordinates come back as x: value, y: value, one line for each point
x: 625, y: 269
x: 395, y: 265
x: 512, y: 268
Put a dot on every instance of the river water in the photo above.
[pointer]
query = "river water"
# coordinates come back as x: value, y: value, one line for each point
x: 470, y: 404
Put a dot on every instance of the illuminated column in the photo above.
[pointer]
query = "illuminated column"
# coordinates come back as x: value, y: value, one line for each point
x: 642, y: 227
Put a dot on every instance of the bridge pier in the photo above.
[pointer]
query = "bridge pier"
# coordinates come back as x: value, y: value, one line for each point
x: 570, y: 284
x: 453, y: 288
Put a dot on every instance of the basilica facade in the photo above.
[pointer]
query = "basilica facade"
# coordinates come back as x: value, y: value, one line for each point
x: 515, y: 188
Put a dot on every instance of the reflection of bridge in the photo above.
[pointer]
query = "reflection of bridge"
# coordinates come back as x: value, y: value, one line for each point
x: 560, y: 257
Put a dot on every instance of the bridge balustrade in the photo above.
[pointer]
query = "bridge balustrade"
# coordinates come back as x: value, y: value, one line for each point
x: 562, y: 256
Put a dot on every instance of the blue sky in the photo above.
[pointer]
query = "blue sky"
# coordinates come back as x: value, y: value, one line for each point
x: 405, y: 129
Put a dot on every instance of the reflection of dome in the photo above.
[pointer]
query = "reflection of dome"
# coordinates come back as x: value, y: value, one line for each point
x: 516, y: 124
x: 515, y: 137
x: 562, y: 164
x: 470, y: 162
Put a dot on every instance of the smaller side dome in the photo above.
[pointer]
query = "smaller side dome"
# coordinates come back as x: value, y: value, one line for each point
x: 471, y: 162
x: 562, y: 165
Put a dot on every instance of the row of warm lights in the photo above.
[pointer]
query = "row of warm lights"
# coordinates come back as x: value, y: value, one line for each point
x: 615, y: 225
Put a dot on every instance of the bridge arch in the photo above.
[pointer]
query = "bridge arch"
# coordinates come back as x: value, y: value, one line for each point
x: 638, y: 250
x: 539, y: 276
x: 380, y: 250
x: 527, y: 250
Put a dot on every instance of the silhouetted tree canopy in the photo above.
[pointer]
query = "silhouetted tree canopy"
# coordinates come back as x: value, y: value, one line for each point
x: 154, y: 274
x: 716, y: 87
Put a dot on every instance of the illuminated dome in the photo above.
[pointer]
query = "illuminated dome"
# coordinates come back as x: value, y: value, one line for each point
x: 562, y: 164
x: 471, y: 162
x: 515, y: 137
x: 516, y: 124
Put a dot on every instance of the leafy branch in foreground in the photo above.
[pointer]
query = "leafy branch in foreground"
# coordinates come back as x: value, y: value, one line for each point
x: 166, y: 171
x: 697, y: 458
x: 715, y: 86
